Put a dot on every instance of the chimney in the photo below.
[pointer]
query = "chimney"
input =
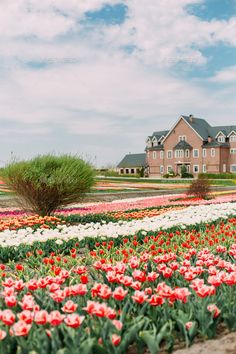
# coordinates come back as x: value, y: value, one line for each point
x: 209, y: 139
x: 191, y: 118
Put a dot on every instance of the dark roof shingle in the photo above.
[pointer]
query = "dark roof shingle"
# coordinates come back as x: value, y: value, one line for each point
x: 133, y: 160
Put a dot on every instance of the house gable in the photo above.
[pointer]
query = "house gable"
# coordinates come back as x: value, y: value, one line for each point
x: 183, y: 118
x: 182, y: 127
x: 220, y: 133
x: 233, y: 132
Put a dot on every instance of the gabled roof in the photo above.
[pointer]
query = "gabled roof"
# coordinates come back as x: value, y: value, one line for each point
x: 215, y: 143
x: 153, y: 148
x: 226, y: 129
x: 159, y: 134
x: 199, y: 125
x: 133, y: 160
x: 183, y: 145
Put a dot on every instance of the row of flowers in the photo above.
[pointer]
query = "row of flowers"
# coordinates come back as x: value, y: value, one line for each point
x: 163, y: 239
x: 142, y: 203
x: 19, y: 221
x: 130, y: 204
x: 189, y: 216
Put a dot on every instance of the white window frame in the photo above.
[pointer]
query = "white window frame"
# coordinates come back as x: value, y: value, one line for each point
x: 224, y: 167
x: 169, y: 168
x: 196, y: 150
x: 233, y: 151
x: 154, y: 141
x: 154, y: 155
x: 221, y: 139
x: 182, y: 138
x: 213, y: 152
x: 232, y: 138
x: 169, y: 152
x: 187, y: 153
x: 204, y: 152
x: 161, y: 169
x: 161, y: 154
x: 179, y: 153
x: 204, y: 168
x: 149, y: 143
x: 232, y: 168
x: 188, y: 168
x: 194, y: 168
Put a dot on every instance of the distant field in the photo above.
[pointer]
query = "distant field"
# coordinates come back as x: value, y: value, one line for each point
x: 118, y: 180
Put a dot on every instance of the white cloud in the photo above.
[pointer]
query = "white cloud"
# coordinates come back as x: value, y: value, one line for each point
x: 92, y: 85
x: 227, y: 75
x: 44, y: 19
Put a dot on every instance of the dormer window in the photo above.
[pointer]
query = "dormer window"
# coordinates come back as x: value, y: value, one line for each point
x: 182, y: 138
x: 154, y: 141
x: 160, y: 141
x: 221, y: 139
x: 232, y: 138
x: 149, y: 143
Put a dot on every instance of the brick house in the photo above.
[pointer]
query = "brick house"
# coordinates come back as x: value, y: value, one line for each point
x: 192, y: 142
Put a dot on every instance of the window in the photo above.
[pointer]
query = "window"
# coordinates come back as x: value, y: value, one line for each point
x: 132, y: 170
x: 221, y: 139
x: 195, y: 153
x: 182, y: 138
x: 204, y: 152
x: 232, y: 168
x: 121, y: 171
x: 204, y: 168
x: 127, y: 171
x: 169, y: 154
x: 233, y: 151
x: 195, y: 168
x: 154, y: 155
x: 154, y: 141
x: 232, y: 138
x: 169, y: 169
x: 188, y: 168
x: 161, y: 169
x: 179, y: 153
x: 213, y: 152
x: 187, y: 153
x: 161, y: 154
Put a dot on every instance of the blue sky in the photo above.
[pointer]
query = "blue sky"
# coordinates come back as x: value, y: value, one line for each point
x: 96, y: 77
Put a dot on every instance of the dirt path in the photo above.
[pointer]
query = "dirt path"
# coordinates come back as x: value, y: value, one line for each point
x: 223, y: 345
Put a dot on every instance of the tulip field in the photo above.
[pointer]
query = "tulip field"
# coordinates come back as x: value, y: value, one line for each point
x: 145, y: 275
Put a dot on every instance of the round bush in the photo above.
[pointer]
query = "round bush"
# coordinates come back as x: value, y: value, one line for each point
x: 47, y: 182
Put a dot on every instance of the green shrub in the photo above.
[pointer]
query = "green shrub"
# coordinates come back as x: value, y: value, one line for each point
x: 199, y: 188
x: 218, y: 175
x: 47, y: 182
x: 185, y: 173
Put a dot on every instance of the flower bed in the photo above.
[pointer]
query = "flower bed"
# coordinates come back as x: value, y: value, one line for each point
x: 188, y: 216
x: 108, y: 298
x: 142, y: 203
x: 19, y: 221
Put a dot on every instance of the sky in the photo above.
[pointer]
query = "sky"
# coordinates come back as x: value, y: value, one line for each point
x: 96, y: 77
